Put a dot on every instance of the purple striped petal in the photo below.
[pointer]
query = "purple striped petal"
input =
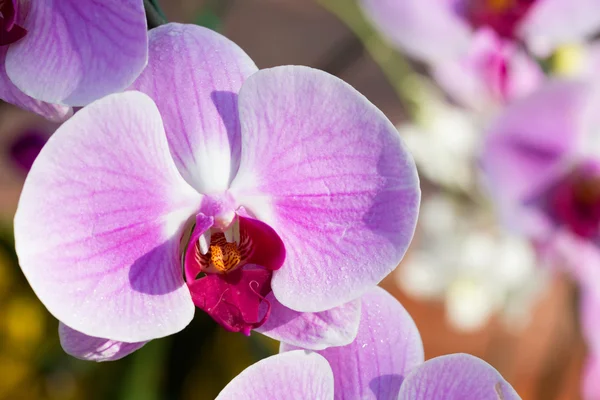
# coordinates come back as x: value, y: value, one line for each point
x: 313, y: 331
x: 91, y: 348
x: 388, y: 346
x: 296, y: 375
x: 551, y: 23
x: 456, y: 377
x: 78, y: 51
x: 99, y: 222
x: 323, y: 167
x: 194, y: 76
x: 430, y: 30
x: 11, y: 94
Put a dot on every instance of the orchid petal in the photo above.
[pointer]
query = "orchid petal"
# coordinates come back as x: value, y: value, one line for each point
x: 76, y: 52
x: 11, y: 94
x: 194, y: 75
x: 590, y: 310
x: 92, y: 348
x: 579, y: 257
x: 529, y: 146
x: 313, y: 331
x: 456, y: 377
x: 99, y: 222
x: 550, y: 23
x: 429, y: 30
x: 388, y: 346
x: 296, y: 375
x: 492, y: 73
x: 590, y: 382
x: 329, y: 173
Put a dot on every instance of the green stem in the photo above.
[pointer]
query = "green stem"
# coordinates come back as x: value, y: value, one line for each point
x: 154, y: 15
x: 396, y: 68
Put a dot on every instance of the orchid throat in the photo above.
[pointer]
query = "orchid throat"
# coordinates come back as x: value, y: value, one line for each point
x: 229, y: 269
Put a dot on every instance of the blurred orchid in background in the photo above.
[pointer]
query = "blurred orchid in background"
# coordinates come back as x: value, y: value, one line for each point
x: 541, y: 164
x: 434, y: 30
x: 384, y: 362
x: 475, y: 49
x: 26, y: 147
x: 491, y: 74
x: 266, y: 233
x: 60, y: 54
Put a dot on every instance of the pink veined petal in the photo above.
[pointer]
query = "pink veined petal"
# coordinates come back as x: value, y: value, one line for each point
x: 429, y: 30
x: 323, y: 167
x: 388, y: 346
x: 11, y: 94
x: 529, y: 146
x: 296, y: 375
x: 491, y: 74
x: 456, y: 377
x: 313, y: 331
x: 99, y: 221
x: 194, y: 76
x: 92, y: 348
x: 78, y: 51
x: 551, y: 23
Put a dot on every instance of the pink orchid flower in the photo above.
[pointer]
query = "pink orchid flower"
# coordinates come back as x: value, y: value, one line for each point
x: 283, y: 192
x: 434, y: 30
x: 475, y: 46
x: 492, y: 73
x: 542, y: 165
x: 385, y: 362
x: 56, y: 54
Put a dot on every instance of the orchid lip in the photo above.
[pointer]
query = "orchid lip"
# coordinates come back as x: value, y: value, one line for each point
x: 228, y: 271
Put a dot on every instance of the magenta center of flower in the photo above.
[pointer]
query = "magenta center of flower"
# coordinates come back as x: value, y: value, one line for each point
x: 10, y: 32
x: 503, y: 16
x: 229, y: 272
x: 575, y: 203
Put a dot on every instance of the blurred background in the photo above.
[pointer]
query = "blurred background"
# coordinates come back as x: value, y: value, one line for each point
x: 470, y: 286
